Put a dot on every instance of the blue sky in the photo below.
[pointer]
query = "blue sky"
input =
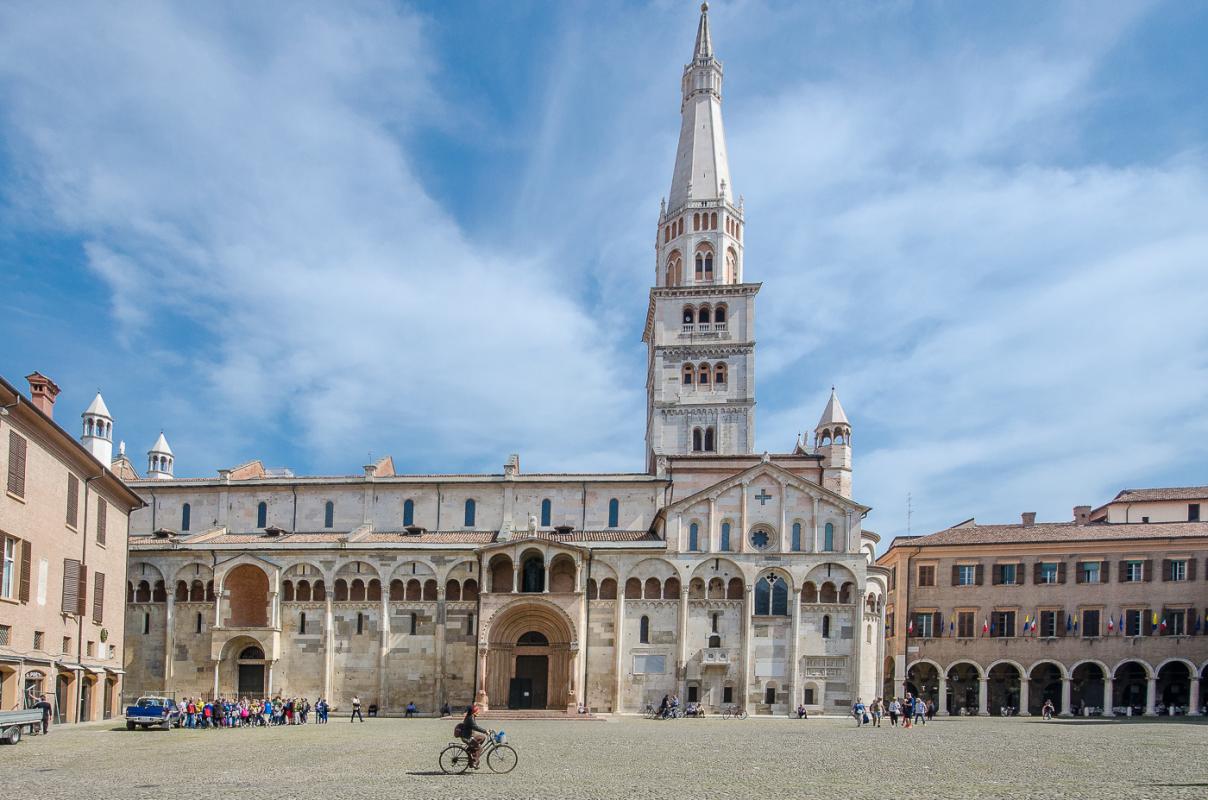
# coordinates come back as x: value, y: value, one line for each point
x: 311, y: 233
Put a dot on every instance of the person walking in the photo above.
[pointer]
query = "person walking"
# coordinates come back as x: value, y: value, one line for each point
x: 920, y: 711
x: 895, y: 708
x: 930, y: 710
x: 878, y: 710
x: 43, y: 705
x: 859, y: 711
x: 356, y: 709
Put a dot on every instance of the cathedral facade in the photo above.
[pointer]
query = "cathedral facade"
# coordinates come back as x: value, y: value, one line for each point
x: 722, y: 575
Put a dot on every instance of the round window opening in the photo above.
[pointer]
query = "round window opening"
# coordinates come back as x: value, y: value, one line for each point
x: 760, y: 540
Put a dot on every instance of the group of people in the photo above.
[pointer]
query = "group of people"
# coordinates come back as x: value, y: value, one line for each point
x: 911, y: 710
x: 669, y: 708
x: 250, y: 712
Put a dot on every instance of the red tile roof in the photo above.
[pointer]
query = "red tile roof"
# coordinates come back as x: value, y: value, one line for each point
x: 1168, y: 493
x: 974, y: 534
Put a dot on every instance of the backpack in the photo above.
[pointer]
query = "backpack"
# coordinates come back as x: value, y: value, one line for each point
x: 459, y: 731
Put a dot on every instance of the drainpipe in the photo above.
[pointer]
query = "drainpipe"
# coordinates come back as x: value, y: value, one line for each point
x: 482, y: 585
x: 79, y: 699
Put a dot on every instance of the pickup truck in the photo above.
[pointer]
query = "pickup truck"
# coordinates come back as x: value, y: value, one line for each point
x: 149, y: 710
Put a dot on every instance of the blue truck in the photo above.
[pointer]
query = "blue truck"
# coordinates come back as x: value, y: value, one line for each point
x: 152, y: 710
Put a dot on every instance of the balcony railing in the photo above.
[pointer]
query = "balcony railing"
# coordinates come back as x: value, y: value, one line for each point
x: 704, y: 327
x: 716, y: 657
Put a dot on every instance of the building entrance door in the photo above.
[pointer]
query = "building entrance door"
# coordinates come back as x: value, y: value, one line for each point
x: 251, y: 680
x: 530, y: 687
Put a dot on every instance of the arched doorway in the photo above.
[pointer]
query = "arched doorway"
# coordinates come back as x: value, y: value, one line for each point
x: 923, y: 680
x: 1044, y: 684
x: 888, y: 685
x: 1003, y: 689
x: 1086, y: 688
x: 1131, y: 685
x: 251, y: 671
x: 529, y: 662
x: 963, y: 688
x: 247, y: 586
x: 1174, y: 687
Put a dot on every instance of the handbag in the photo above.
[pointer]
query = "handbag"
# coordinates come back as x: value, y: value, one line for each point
x: 866, y: 719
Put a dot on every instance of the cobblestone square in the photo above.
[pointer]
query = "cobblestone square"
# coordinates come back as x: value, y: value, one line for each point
x: 628, y: 757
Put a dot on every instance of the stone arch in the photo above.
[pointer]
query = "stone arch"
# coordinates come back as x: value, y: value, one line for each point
x: 1081, y: 662
x: 961, y: 661
x: 963, y: 687
x: 1149, y: 670
x: 1191, y: 669
x: 563, y: 573
x: 1060, y: 667
x: 1003, y: 689
x: 504, y: 629
x: 1045, y: 680
x: 502, y: 572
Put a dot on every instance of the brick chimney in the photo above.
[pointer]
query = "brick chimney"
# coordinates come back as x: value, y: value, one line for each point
x: 1082, y: 515
x: 43, y: 391
x: 1029, y: 518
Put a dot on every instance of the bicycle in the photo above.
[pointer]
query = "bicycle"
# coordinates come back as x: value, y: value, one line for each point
x: 734, y: 712
x: 501, y: 757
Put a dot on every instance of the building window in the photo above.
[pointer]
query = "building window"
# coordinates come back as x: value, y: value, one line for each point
x: 329, y: 515
x: 1090, y: 623
x: 39, y: 638
x: 826, y: 626
x: 1193, y: 512
x: 262, y: 515
x: 186, y: 511
x: 771, y: 596
x: 469, y: 519
x: 760, y: 539
x: 1002, y: 624
x: 964, y: 624
x: 1132, y: 622
x: 8, y: 568
x: 1176, y: 569
x: 644, y: 631
x: 966, y: 574
x: 1175, y: 622
x: 697, y: 440
x: 614, y: 513
x: 302, y: 622
x: 16, y: 464
x: 414, y: 626
x: 546, y: 512
x: 1091, y: 572
x: 1134, y: 571
x: 710, y: 445
x: 102, y: 520
x: 90, y: 649
x: 408, y: 512
x: 725, y: 536
x: 1048, y: 623
x: 694, y: 537
x: 828, y: 537
x: 197, y: 623
x: 73, y: 500
x: 146, y: 622
x: 689, y: 371
x: 923, y: 625
x: 1048, y: 573
x: 797, y: 537
x: 926, y: 575
x: 66, y: 645
x: 727, y: 694
x: 769, y: 695
x: 1008, y: 574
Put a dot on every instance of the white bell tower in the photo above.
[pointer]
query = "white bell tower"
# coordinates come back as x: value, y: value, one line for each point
x: 700, y: 324
x: 97, y: 431
x: 160, y: 460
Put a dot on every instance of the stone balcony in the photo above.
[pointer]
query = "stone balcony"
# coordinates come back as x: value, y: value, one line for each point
x: 716, y: 657
x: 709, y: 328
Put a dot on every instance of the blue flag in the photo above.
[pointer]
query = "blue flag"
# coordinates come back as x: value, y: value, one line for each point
x: 1121, y: 623
x: 1198, y: 620
x: 1069, y: 623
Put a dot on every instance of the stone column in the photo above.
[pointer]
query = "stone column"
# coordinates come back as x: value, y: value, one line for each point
x: 169, y: 638
x: 545, y: 581
x: 714, y: 544
x: 274, y: 609
x: 1109, y: 696
x: 268, y: 676
x: 683, y: 642
x: 1025, y: 697
x: 794, y: 678
x: 481, y: 698
x: 742, y: 524
x: 941, y: 689
x: 857, y: 642
x: 1194, y: 697
x: 1066, y: 705
x: 218, y: 590
x: 329, y: 649
x: 983, y: 696
x: 817, y: 544
x: 748, y: 635
x: 786, y: 539
x: 384, y: 649
x: 442, y: 621
x: 618, y: 638
x: 515, y: 578
x: 1151, y: 697
x: 214, y: 696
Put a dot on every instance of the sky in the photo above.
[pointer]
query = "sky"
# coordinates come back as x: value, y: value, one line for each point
x: 317, y: 234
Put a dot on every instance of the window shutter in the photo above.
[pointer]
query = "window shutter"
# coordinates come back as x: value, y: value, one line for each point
x: 1079, y: 574
x: 1122, y: 573
x: 1036, y: 573
x: 98, y: 597
x: 996, y: 574
x: 1061, y: 572
x: 1020, y: 575
x: 979, y: 574
x: 73, y: 500
x: 955, y: 575
x: 1167, y: 569
x: 102, y: 513
x: 27, y: 557
x: 937, y: 624
x: 82, y: 592
x: 16, y: 464
x: 1105, y: 571
x: 1191, y: 569
x: 1058, y: 624
x: 71, y: 585
x: 1147, y: 622
x: 1147, y: 570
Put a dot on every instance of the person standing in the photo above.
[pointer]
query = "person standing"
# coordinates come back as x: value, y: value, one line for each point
x: 859, y: 711
x: 895, y: 708
x: 920, y: 711
x: 356, y: 709
x: 43, y: 705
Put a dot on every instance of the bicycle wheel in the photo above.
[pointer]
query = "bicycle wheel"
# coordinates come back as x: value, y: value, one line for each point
x: 725, y: 714
x: 454, y: 760
x: 502, y: 759
x: 741, y: 714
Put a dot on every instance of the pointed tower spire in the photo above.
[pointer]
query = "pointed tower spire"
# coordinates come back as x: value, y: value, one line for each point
x: 160, y: 460
x: 704, y: 44
x: 832, y: 441
x: 96, y: 431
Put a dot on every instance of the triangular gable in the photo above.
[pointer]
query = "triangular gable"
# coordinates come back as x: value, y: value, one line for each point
x: 772, y: 470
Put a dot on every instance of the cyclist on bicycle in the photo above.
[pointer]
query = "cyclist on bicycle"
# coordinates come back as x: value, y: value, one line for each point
x: 472, y: 734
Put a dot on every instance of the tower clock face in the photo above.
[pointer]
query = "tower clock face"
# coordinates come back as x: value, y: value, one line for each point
x: 760, y: 540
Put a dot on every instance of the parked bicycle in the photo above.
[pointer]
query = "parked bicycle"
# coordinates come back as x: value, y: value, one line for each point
x: 500, y: 757
x: 734, y: 712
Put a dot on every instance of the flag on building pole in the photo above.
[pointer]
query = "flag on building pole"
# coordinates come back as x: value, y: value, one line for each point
x: 1027, y: 624
x: 1075, y: 624
x: 951, y: 624
x: 1162, y: 626
x: 1069, y: 623
x: 910, y: 627
x: 1120, y: 627
x: 985, y: 626
x: 1154, y: 623
x: 1111, y: 624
